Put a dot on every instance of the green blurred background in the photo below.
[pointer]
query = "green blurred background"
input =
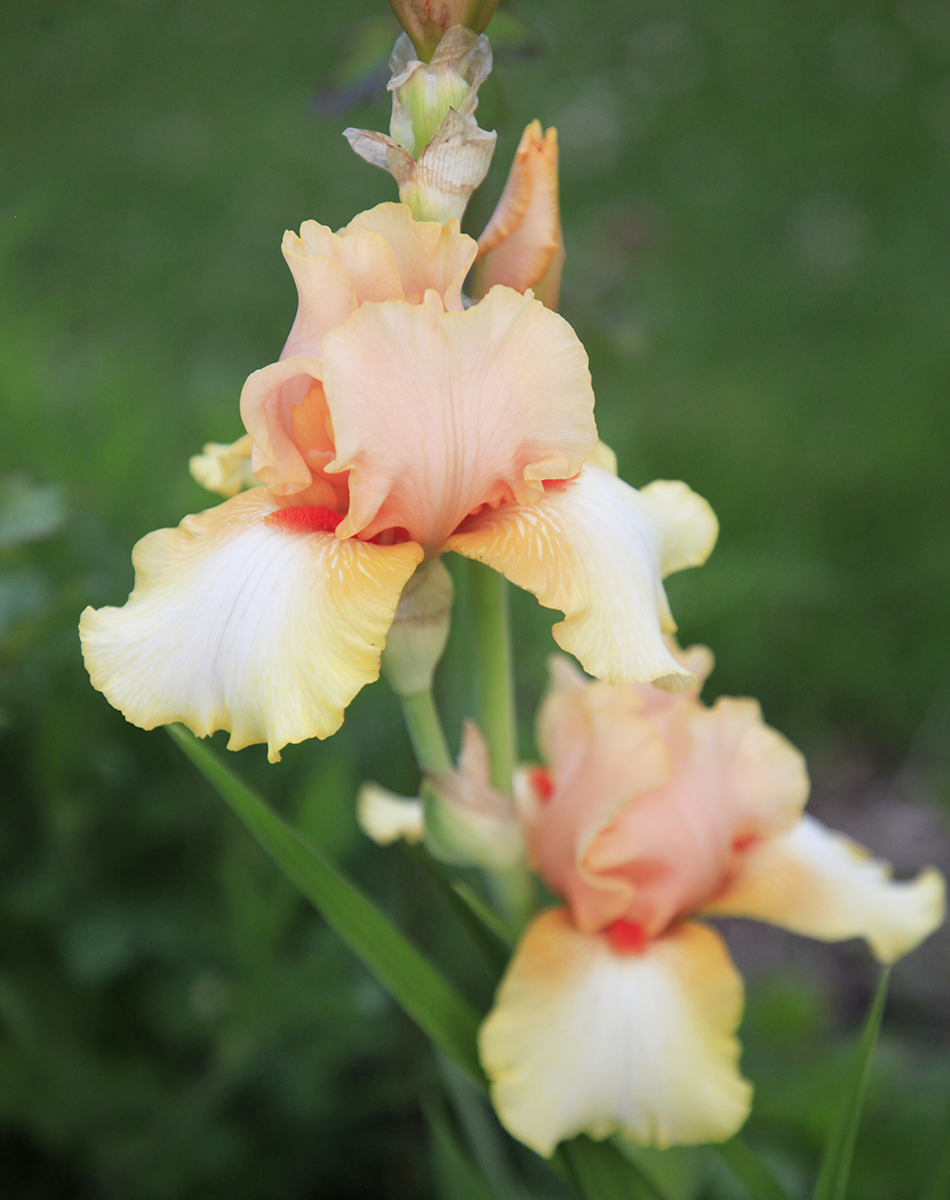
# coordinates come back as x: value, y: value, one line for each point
x: 755, y: 203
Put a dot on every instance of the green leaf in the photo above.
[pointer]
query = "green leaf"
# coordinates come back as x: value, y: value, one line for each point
x: 749, y: 1170
x: 457, y: 1177
x: 481, y: 924
x: 938, y: 1186
x: 601, y: 1172
x: 411, y: 980
x: 836, y: 1167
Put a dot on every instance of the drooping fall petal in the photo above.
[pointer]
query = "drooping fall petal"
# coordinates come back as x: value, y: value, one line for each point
x: 820, y: 883
x: 436, y: 413
x: 597, y: 549
x: 521, y: 245
x: 583, y: 1039
x: 237, y: 624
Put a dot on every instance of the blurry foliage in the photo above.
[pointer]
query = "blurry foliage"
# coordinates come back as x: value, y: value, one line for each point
x: 754, y: 199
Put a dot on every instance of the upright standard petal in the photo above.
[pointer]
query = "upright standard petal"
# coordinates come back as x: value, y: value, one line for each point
x: 596, y: 549
x: 428, y: 255
x: 583, y: 1039
x: 820, y: 883
x: 436, y: 414
x: 521, y: 245
x: 237, y: 623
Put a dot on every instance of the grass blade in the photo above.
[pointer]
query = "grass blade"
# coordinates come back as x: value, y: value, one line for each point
x: 601, y: 1172
x: 748, y: 1169
x: 411, y: 980
x: 836, y: 1167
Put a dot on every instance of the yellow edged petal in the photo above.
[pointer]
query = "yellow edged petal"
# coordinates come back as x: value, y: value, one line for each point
x: 596, y: 549
x: 584, y: 1040
x: 820, y: 883
x: 236, y: 624
x: 386, y: 817
x: 225, y: 469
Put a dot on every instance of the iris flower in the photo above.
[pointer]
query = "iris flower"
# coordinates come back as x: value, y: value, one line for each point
x: 618, y: 1012
x: 398, y: 423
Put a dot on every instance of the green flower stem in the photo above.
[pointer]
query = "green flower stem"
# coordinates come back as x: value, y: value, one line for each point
x: 425, y: 733
x: 512, y: 890
x: 494, y: 675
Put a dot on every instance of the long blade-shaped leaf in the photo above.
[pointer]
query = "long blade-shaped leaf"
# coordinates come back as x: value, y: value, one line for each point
x: 603, y: 1173
x: 938, y: 1185
x: 749, y: 1170
x: 836, y: 1167
x: 413, y: 982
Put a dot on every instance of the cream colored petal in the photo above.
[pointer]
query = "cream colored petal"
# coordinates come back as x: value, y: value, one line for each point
x: 592, y: 548
x: 387, y: 818
x: 225, y: 469
x: 686, y: 526
x: 583, y: 1040
x: 235, y: 624
x: 523, y: 236
x: 438, y: 413
x: 602, y: 456
x: 821, y: 884
x: 427, y: 254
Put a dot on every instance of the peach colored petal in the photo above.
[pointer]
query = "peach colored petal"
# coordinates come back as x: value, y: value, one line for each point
x: 732, y: 779
x: 234, y: 624
x: 284, y: 409
x: 584, y: 1040
x: 435, y: 413
x: 428, y: 255
x: 522, y: 246
x: 595, y: 549
x: 821, y: 884
x: 602, y: 756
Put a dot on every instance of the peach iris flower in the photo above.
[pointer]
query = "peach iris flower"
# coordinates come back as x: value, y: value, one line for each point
x: 618, y: 1012
x: 396, y: 424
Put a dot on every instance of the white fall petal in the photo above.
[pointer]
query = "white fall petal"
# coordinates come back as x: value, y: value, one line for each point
x: 237, y: 624
x: 582, y: 1039
x: 820, y: 883
x: 597, y: 549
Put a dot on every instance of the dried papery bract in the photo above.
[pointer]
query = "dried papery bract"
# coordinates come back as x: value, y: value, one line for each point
x: 435, y: 149
x: 428, y: 21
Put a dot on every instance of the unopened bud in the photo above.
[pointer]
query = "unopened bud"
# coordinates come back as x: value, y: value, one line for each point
x: 419, y: 630
x: 428, y: 21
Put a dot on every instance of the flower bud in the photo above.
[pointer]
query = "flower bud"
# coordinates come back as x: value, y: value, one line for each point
x: 467, y: 823
x: 522, y: 246
x: 436, y: 152
x: 427, y: 21
x: 419, y: 630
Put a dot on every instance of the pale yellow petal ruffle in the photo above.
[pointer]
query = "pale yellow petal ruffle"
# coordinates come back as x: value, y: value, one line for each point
x: 584, y: 1040
x: 820, y: 883
x: 594, y: 548
x: 436, y: 413
x: 387, y: 818
x: 236, y: 624
x: 223, y: 468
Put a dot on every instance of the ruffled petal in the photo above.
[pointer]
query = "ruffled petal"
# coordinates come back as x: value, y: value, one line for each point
x: 387, y: 818
x: 584, y: 1040
x: 427, y: 254
x: 325, y: 298
x: 594, y: 548
x: 820, y: 883
x: 223, y: 468
x: 435, y: 414
x: 236, y: 624
x: 523, y: 239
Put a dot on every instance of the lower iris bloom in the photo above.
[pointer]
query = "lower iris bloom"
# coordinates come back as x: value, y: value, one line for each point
x: 618, y: 1012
